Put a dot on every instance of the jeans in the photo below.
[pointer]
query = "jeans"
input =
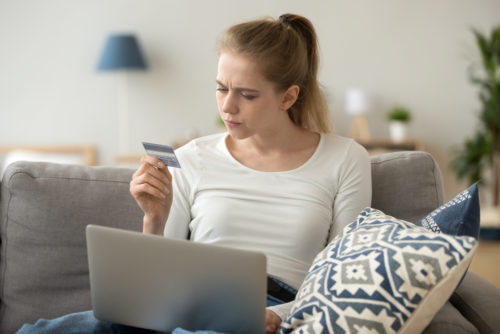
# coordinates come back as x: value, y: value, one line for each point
x: 85, y: 322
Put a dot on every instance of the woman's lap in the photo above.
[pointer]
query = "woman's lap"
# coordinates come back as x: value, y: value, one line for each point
x: 85, y: 322
x: 76, y: 323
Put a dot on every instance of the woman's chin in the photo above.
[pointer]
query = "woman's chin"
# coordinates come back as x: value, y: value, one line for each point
x: 237, y: 133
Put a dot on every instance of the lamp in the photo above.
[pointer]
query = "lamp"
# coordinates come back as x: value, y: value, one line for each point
x: 122, y: 53
x: 357, y: 104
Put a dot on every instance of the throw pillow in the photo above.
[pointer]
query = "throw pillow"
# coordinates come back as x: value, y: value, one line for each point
x: 381, y: 275
x: 460, y: 216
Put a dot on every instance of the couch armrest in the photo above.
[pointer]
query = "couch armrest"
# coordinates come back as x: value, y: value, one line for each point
x: 479, y: 301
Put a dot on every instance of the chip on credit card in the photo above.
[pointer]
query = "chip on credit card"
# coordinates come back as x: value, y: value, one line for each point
x: 163, y: 152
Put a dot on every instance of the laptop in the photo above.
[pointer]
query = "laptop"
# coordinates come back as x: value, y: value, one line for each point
x: 159, y: 283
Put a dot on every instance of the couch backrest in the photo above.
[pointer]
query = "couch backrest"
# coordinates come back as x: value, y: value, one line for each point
x: 45, y: 208
x: 406, y: 185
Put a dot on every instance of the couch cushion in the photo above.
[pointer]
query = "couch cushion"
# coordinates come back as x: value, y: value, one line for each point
x: 45, y: 208
x: 407, y: 185
x: 381, y: 275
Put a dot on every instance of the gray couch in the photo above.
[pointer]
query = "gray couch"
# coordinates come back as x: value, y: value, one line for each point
x: 45, y: 208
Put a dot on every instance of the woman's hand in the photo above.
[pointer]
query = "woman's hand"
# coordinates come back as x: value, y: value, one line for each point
x: 273, y: 322
x: 151, y: 187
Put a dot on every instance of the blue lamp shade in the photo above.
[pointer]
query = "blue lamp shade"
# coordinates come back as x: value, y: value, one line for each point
x: 121, y: 52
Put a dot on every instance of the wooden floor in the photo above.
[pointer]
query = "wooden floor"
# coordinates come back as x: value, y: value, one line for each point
x: 486, y: 261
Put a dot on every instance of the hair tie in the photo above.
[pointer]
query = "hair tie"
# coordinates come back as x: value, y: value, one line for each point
x: 284, y: 19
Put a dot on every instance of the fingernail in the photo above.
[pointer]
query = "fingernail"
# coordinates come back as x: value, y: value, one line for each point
x: 160, y: 164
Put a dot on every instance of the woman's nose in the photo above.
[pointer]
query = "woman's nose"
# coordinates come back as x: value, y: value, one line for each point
x: 229, y: 104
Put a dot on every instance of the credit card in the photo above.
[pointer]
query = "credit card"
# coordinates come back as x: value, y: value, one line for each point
x: 163, y: 152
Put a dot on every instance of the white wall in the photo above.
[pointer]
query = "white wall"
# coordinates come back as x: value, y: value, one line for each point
x: 414, y: 53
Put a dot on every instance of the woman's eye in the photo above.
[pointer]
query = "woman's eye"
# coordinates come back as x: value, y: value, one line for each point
x: 249, y: 97
x: 221, y: 89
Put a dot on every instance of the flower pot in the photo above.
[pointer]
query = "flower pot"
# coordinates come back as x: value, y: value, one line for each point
x: 398, y: 131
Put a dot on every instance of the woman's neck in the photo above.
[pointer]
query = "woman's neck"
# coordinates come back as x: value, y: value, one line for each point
x: 288, y: 137
x: 278, y: 151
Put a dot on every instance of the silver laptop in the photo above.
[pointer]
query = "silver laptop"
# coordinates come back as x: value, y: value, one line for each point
x: 160, y: 283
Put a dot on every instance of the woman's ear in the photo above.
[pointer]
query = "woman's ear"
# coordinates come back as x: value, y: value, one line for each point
x: 289, y: 97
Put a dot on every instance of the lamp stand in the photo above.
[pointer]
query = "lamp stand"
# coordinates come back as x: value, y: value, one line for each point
x: 123, y: 114
x: 359, y: 128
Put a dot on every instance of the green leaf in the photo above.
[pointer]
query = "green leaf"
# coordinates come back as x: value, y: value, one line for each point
x: 477, y: 152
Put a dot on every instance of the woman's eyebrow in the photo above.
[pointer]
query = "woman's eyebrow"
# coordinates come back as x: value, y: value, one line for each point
x: 220, y: 83
x: 239, y: 88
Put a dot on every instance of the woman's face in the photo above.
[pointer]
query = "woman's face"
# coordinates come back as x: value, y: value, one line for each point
x: 248, y: 103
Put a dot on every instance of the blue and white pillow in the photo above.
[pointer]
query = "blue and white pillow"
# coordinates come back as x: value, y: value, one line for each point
x: 460, y: 216
x: 381, y: 275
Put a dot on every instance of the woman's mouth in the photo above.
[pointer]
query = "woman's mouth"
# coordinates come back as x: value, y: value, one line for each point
x: 231, y: 124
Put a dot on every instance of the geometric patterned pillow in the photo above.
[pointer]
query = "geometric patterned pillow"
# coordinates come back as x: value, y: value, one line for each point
x: 382, y: 275
x: 460, y: 216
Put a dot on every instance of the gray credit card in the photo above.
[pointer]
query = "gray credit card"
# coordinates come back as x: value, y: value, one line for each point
x: 163, y: 152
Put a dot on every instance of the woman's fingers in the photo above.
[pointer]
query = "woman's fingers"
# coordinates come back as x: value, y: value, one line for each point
x: 153, y: 165
x: 155, y: 179
x: 150, y: 184
x: 151, y: 178
x: 153, y: 161
x: 145, y: 188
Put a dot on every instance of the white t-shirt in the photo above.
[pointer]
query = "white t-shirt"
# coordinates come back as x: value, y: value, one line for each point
x: 290, y: 216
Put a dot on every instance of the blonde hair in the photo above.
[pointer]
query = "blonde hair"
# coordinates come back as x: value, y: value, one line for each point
x: 287, y: 53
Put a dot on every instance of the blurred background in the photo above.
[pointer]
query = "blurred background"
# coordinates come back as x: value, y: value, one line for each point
x: 415, y: 54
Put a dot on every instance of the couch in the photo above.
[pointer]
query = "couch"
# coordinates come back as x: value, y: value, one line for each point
x: 45, y: 208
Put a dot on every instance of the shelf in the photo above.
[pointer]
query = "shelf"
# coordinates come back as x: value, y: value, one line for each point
x: 385, y: 145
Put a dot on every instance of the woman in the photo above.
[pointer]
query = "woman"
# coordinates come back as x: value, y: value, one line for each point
x: 276, y: 182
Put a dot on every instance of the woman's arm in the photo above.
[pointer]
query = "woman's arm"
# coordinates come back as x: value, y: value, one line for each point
x: 354, y: 190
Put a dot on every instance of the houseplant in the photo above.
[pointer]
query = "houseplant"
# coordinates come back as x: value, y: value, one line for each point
x: 481, y: 152
x: 399, y: 117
